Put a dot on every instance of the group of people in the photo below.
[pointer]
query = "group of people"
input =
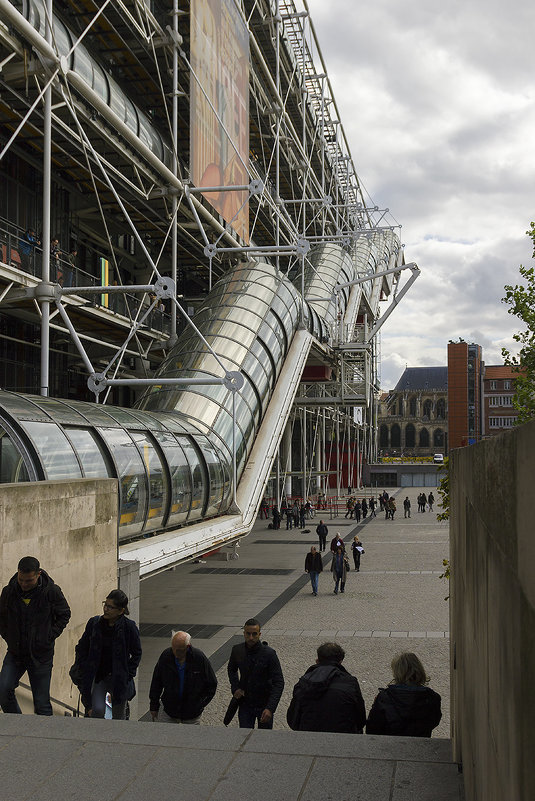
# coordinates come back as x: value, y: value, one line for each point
x: 62, y: 263
x: 296, y: 514
x: 34, y: 612
x: 339, y: 563
x: 424, y: 500
x: 327, y: 698
x: 357, y: 508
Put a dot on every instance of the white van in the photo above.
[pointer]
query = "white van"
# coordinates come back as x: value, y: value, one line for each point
x: 438, y: 458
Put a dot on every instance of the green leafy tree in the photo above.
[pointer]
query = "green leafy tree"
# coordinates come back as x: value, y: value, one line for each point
x: 443, y: 490
x: 521, y: 300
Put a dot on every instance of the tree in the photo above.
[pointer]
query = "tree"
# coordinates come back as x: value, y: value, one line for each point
x: 521, y: 299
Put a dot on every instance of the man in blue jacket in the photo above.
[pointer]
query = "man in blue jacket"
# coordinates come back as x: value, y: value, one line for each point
x: 184, y: 680
x: 33, y: 613
x: 256, y: 678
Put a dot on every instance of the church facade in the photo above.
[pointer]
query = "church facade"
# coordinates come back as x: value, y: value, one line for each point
x: 413, y: 417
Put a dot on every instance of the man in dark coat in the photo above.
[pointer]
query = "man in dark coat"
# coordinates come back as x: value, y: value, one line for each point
x: 187, y: 680
x: 313, y: 566
x: 33, y: 613
x: 256, y: 679
x: 322, y: 532
x: 327, y: 697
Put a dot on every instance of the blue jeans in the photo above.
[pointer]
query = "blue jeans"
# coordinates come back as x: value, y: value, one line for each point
x: 247, y: 715
x: 314, y: 575
x: 39, y: 674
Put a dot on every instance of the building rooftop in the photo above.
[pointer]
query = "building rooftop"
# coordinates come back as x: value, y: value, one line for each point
x: 500, y: 371
x: 415, y: 378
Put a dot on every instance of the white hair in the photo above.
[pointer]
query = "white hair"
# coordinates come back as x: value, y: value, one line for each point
x: 187, y: 637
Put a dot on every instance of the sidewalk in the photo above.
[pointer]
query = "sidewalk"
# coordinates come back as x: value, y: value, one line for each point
x: 396, y: 602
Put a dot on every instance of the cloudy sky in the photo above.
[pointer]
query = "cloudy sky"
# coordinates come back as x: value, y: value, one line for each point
x: 437, y: 99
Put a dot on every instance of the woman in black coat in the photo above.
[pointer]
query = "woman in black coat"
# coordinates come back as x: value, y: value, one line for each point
x: 108, y: 654
x: 406, y: 707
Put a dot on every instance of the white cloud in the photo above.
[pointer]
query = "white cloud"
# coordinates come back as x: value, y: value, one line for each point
x: 438, y: 105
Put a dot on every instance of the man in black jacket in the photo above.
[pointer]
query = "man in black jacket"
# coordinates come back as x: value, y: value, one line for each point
x: 186, y: 678
x: 327, y: 697
x: 256, y: 678
x: 33, y: 613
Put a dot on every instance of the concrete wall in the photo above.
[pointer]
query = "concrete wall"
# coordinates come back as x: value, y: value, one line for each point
x: 71, y: 527
x: 493, y: 615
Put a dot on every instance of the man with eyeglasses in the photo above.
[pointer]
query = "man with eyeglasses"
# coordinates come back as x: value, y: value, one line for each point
x: 33, y: 613
x: 184, y: 680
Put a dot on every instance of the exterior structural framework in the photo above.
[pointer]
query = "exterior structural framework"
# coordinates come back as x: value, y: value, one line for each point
x: 189, y: 312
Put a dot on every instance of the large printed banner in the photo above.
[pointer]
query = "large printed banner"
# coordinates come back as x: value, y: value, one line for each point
x: 219, y: 108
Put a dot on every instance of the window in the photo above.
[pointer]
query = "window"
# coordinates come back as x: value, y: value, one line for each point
x: 502, y: 422
x: 501, y: 400
x: 507, y: 384
x: 494, y: 385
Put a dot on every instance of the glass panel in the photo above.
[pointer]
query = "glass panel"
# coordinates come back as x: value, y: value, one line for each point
x: 12, y: 467
x: 62, y: 37
x: 123, y: 417
x: 199, y: 477
x: 100, y: 82
x: 55, y: 450
x: 60, y: 412
x: 180, y: 478
x: 94, y: 463
x: 216, y: 478
x: 132, y: 481
x: 95, y: 414
x: 82, y: 64
x: 158, y: 489
x: 21, y: 407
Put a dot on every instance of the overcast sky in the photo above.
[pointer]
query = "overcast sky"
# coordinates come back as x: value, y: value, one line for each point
x: 437, y: 100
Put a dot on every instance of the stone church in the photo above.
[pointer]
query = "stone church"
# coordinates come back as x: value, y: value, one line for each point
x: 413, y: 417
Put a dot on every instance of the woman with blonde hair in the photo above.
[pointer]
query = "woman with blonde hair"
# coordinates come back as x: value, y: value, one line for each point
x: 406, y: 707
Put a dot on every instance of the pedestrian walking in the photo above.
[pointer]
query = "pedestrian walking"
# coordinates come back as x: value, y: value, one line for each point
x: 302, y: 516
x: 430, y: 501
x: 108, y: 654
x: 322, y: 532
x: 276, y: 518
x: 358, y: 511
x: 406, y: 707
x: 183, y: 680
x: 327, y: 697
x: 373, y: 504
x: 33, y: 613
x: 357, y: 550
x: 256, y: 679
x: 407, y: 507
x: 391, y: 508
x: 364, y: 507
x: 339, y: 568
x: 313, y: 566
x: 289, y: 518
x: 264, y: 509
x: 337, y: 542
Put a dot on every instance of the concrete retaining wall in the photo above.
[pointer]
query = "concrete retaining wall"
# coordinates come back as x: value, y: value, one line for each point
x: 71, y: 527
x: 493, y: 615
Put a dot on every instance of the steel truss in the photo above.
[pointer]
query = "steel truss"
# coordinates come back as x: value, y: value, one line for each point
x: 303, y: 186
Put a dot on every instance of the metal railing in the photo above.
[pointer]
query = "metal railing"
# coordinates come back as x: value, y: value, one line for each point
x: 14, y: 253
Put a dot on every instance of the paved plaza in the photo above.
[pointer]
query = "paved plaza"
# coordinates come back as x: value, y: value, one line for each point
x: 396, y: 602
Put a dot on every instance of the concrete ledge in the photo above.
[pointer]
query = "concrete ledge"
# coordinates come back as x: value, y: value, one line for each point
x: 100, y: 759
